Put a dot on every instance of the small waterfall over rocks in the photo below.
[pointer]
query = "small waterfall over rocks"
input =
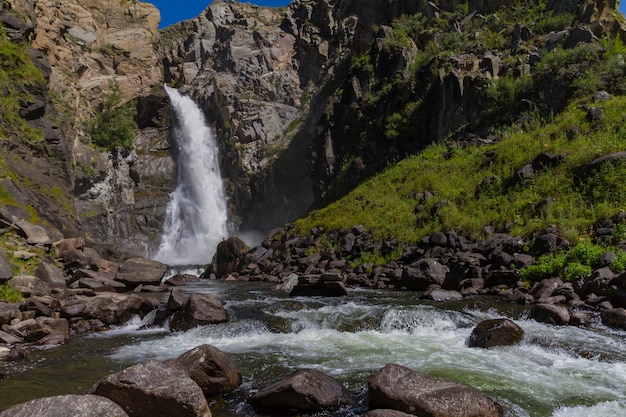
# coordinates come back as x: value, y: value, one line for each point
x: 196, y: 218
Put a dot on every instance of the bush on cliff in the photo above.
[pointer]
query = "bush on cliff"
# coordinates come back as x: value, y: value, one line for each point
x: 114, y: 125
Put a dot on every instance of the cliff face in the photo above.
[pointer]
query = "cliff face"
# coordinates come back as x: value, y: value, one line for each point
x: 306, y: 100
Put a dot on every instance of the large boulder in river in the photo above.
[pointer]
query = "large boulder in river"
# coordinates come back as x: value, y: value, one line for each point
x: 228, y: 256
x: 141, y: 271
x: 210, y: 368
x: 198, y: 310
x: 399, y: 388
x: 154, y: 389
x: 550, y: 313
x: 496, y: 332
x: 110, y: 308
x: 306, y: 390
x: 66, y: 406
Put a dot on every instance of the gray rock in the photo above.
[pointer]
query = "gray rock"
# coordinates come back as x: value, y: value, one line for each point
x: 154, y: 389
x: 51, y: 275
x: 420, y: 275
x: 550, y: 313
x: 110, y: 308
x: 40, y: 327
x: 198, y: 310
x: 210, y: 368
x: 141, y: 271
x: 439, y: 294
x: 545, y: 288
x: 34, y: 234
x: 8, y: 312
x: 399, y: 388
x: 6, y: 269
x: 66, y: 406
x: 304, y: 389
x: 384, y: 412
x: 29, y: 285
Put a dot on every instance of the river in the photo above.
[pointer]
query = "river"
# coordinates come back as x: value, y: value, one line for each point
x: 554, y: 372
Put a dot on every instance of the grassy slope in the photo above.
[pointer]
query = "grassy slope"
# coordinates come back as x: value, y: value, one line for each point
x: 390, y: 202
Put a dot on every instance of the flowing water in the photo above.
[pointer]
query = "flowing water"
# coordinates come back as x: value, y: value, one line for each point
x: 196, y: 219
x: 554, y: 372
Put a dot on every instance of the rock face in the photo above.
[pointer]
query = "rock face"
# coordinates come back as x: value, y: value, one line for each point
x: 305, y: 390
x: 67, y: 406
x: 153, y: 389
x: 399, y: 388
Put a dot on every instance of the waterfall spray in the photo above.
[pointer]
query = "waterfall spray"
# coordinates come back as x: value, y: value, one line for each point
x: 196, y: 218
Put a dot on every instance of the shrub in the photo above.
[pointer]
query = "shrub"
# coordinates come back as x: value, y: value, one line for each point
x: 548, y: 266
x: 114, y: 125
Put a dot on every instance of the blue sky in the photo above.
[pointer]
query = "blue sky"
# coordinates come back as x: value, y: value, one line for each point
x: 173, y: 11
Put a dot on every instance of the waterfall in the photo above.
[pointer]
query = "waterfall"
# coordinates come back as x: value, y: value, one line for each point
x: 196, y: 217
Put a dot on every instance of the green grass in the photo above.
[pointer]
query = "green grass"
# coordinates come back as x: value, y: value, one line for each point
x: 9, y: 294
x: 476, y: 196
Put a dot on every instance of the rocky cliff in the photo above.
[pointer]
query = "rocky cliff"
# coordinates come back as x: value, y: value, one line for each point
x: 306, y: 100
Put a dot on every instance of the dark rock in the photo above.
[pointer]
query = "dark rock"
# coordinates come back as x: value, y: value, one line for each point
x: 176, y: 300
x: 546, y: 161
x: 210, y: 368
x: 29, y: 285
x: 384, y: 412
x: 399, y: 388
x: 40, y: 327
x: 423, y: 273
x: 504, y: 277
x: 306, y: 390
x: 66, y: 406
x: 547, y: 243
x: 455, y: 276
x: 141, y: 271
x: 228, y: 255
x: 515, y: 295
x: 545, y: 288
x: 615, y: 317
x: 154, y: 389
x: 580, y: 318
x: 180, y: 279
x: 8, y: 312
x: 550, y: 313
x: 327, y: 285
x: 6, y: 269
x: 198, y: 310
x: 496, y: 332
x: 99, y: 283
x: 51, y: 275
x: 586, y: 170
x: 110, y: 308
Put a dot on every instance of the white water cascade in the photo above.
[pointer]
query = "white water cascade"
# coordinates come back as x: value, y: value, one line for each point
x: 196, y: 219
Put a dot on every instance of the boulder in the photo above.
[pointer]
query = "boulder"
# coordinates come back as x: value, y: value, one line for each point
x: 614, y: 317
x: 176, y: 300
x: 141, y: 271
x: 51, y: 275
x: 8, y: 312
x: 326, y: 285
x: 228, y: 255
x: 6, y: 269
x: 210, y: 368
x: 306, y: 390
x: 439, y: 294
x: 545, y: 288
x: 66, y: 406
x: 110, y: 308
x: 29, y: 285
x: 154, y: 389
x: 421, y: 274
x: 40, y: 327
x: 496, y: 332
x: 198, y: 310
x: 550, y: 313
x: 399, y: 388
x: 34, y: 234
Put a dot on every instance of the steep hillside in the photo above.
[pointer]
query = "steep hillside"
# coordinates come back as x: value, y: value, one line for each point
x: 308, y: 101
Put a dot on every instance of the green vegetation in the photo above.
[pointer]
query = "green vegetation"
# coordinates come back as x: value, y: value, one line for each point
x: 114, y: 125
x: 9, y: 294
x: 470, y: 193
x: 17, y: 75
x: 574, y: 265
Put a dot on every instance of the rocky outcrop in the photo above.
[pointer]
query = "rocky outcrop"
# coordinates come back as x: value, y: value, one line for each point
x: 399, y: 388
